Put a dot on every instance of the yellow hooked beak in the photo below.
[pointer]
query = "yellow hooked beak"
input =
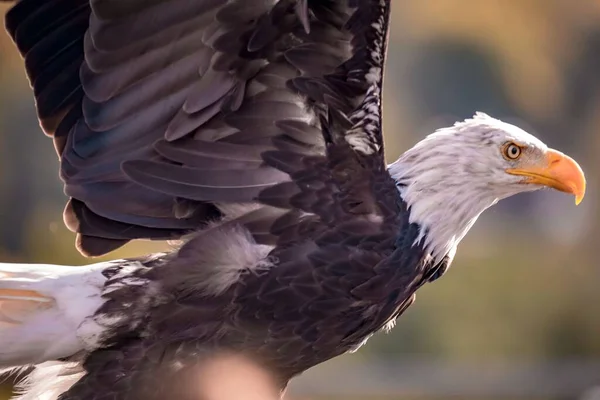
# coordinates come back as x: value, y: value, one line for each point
x: 557, y: 171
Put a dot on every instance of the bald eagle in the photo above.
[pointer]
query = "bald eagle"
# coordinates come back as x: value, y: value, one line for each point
x: 250, y: 130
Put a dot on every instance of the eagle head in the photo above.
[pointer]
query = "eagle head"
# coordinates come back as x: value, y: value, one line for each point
x: 449, y: 178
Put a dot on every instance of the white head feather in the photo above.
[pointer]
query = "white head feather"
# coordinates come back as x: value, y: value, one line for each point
x: 450, y: 177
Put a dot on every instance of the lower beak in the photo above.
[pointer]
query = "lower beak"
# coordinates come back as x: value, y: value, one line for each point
x: 557, y: 171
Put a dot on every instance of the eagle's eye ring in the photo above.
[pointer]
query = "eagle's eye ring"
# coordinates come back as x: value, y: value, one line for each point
x: 512, y: 151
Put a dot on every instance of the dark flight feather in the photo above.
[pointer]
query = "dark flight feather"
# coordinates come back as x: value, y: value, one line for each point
x: 219, y: 70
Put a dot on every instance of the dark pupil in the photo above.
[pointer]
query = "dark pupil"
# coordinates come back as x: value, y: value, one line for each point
x: 513, y: 150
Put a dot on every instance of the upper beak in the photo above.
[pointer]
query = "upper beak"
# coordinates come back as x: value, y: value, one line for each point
x: 557, y: 171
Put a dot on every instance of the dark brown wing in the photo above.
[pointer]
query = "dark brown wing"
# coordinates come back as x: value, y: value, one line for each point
x: 345, y: 268
x: 161, y: 109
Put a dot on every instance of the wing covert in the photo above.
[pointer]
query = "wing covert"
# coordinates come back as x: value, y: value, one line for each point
x: 163, y: 110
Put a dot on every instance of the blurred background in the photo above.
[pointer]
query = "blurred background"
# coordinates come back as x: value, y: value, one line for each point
x: 517, y: 317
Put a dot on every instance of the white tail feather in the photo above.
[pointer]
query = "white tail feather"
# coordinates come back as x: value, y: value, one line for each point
x: 42, y: 307
x: 48, y: 381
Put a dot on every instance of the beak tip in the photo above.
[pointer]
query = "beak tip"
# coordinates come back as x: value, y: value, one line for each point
x: 569, y: 173
x: 578, y: 189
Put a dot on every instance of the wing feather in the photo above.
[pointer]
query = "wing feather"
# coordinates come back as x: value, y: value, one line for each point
x: 156, y: 104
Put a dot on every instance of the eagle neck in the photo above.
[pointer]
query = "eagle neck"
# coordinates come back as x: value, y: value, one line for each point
x: 444, y: 209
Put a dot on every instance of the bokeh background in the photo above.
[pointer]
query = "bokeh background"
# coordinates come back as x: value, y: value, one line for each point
x: 518, y: 314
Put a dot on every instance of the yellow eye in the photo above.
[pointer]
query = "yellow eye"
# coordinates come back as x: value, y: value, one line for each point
x: 512, y: 151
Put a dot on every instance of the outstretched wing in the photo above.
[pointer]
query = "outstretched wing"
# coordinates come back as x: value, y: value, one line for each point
x: 164, y: 112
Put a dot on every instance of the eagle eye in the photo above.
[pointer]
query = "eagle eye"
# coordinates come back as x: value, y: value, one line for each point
x: 512, y: 151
